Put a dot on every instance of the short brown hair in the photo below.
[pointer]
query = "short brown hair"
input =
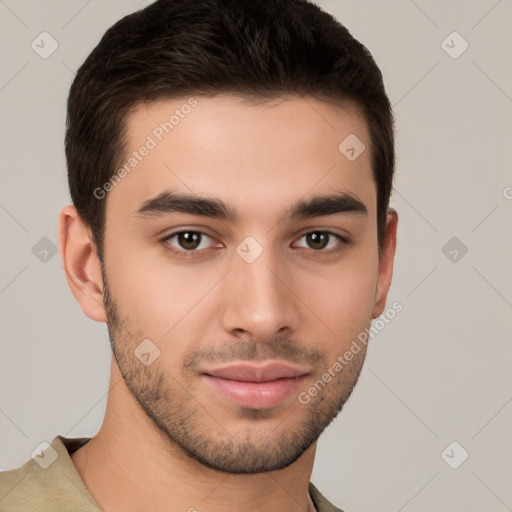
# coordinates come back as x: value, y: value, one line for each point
x: 174, y: 48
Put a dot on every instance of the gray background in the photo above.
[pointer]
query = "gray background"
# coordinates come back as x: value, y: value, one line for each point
x: 438, y: 373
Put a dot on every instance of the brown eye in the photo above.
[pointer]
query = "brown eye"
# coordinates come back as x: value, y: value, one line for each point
x: 188, y: 241
x: 321, y: 240
x: 317, y: 239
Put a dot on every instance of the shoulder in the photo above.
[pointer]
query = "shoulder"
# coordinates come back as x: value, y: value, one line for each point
x: 322, y: 504
x: 47, y: 481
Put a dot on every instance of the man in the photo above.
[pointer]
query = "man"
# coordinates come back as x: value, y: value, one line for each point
x: 230, y: 164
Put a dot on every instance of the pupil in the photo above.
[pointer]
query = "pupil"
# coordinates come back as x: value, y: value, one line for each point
x: 317, y: 240
x: 189, y: 239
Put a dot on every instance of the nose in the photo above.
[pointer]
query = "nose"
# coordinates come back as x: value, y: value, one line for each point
x: 258, y: 300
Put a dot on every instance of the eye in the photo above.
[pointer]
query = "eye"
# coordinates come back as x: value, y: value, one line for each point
x: 322, y: 240
x: 188, y: 241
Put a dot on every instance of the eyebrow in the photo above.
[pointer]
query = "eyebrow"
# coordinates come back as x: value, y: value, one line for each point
x: 317, y: 206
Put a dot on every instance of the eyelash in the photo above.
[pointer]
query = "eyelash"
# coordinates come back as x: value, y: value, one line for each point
x: 196, y: 252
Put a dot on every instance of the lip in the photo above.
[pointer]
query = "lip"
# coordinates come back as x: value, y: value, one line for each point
x: 256, y: 386
x: 256, y: 373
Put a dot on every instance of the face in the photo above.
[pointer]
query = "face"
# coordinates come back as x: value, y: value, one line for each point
x: 242, y: 246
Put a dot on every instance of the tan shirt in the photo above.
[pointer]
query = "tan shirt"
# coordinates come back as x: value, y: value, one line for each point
x: 49, y: 482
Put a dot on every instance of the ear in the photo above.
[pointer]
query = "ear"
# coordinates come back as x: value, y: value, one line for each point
x: 81, y: 264
x: 386, y: 260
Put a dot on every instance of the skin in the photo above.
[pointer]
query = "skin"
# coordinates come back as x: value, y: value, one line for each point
x: 295, y: 303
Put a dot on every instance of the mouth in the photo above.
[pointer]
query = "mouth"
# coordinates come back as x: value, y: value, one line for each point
x: 256, y: 386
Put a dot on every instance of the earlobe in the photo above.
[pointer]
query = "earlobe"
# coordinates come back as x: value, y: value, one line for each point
x: 386, y: 261
x: 81, y: 264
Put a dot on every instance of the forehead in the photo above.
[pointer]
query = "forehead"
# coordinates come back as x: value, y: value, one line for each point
x: 253, y: 155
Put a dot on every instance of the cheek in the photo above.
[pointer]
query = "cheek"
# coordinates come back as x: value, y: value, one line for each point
x: 343, y: 297
x: 166, y: 301
x: 157, y: 297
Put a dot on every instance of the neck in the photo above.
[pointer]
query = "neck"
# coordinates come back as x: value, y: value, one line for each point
x: 131, y: 465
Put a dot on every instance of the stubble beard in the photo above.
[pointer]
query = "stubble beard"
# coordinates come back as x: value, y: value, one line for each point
x: 188, y: 425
